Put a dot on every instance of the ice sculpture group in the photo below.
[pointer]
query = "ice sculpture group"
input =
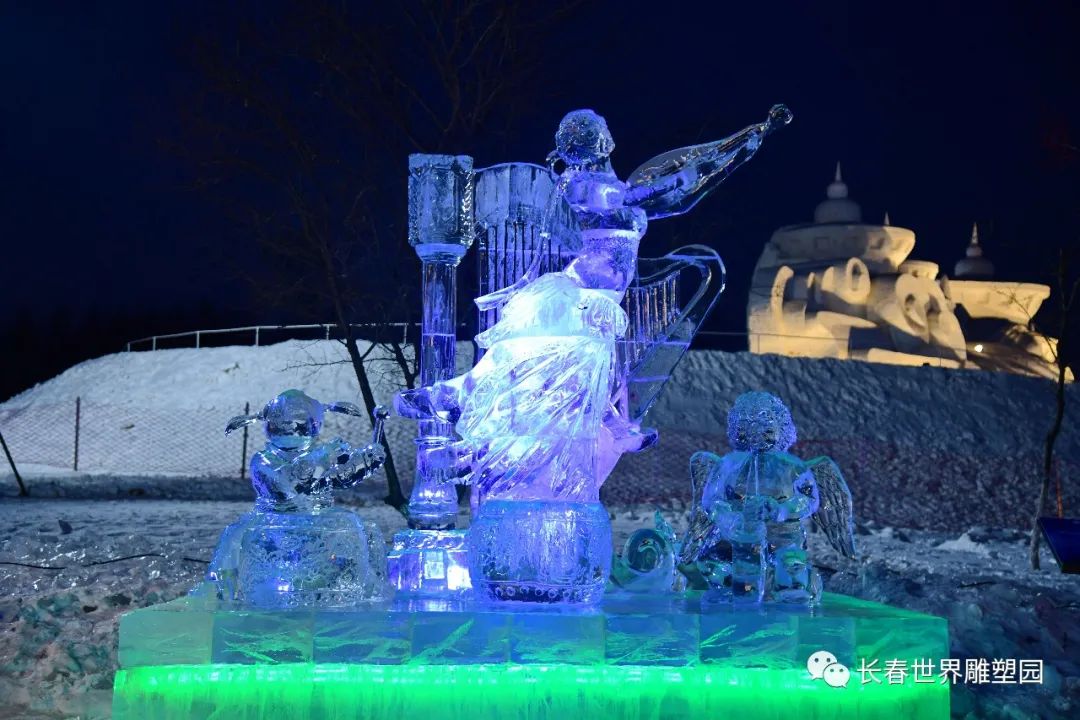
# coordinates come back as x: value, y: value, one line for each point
x: 575, y: 348
x: 528, y: 613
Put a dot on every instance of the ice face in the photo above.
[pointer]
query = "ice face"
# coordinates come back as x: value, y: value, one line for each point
x: 583, y: 139
x: 760, y: 422
x: 292, y: 420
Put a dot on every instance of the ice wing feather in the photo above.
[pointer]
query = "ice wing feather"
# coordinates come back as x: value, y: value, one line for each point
x: 702, y: 467
x: 835, y: 513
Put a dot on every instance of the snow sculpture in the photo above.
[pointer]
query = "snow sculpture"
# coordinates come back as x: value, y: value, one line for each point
x: 747, y: 533
x: 295, y: 549
x: 539, y: 429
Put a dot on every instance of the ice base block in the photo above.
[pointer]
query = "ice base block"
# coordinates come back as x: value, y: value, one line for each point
x: 633, y: 657
x: 433, y: 563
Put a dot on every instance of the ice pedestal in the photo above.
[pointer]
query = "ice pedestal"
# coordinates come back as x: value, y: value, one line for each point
x: 287, y: 560
x: 429, y: 563
x: 631, y: 657
x: 540, y: 551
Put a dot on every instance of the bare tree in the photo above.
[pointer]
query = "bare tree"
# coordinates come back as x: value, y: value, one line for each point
x: 1066, y: 287
x: 301, y: 128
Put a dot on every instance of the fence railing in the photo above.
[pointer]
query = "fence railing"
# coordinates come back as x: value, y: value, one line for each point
x: 93, y: 437
x: 255, y: 333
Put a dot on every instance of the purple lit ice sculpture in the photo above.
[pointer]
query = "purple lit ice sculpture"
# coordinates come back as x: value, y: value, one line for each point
x: 539, y: 424
x: 747, y: 535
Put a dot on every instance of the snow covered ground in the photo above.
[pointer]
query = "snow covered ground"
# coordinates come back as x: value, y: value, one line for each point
x: 943, y: 466
x: 58, y: 626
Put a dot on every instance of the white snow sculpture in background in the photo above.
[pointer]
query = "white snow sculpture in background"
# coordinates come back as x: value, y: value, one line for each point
x: 843, y: 288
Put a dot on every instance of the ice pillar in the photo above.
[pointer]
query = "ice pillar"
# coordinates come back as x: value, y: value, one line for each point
x: 441, y: 231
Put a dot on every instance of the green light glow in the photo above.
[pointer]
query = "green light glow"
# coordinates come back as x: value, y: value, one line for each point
x: 507, y: 691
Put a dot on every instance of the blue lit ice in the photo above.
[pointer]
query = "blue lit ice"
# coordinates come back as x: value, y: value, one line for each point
x: 295, y: 549
x: 747, y: 535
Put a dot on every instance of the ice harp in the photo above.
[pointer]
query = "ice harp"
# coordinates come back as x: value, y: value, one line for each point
x: 580, y: 338
x: 667, y: 302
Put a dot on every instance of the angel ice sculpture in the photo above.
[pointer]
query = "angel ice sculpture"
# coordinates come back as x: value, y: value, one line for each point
x: 538, y: 419
x: 747, y: 533
x: 295, y: 549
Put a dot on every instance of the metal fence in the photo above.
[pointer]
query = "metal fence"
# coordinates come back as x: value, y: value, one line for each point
x: 96, y: 437
x: 259, y: 334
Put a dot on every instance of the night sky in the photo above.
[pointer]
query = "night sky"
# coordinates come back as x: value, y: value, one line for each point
x: 942, y: 114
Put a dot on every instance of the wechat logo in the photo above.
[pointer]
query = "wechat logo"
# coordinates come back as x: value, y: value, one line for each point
x: 822, y: 665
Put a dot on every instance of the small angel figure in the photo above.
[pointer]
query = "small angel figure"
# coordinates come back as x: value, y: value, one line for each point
x: 747, y: 534
x: 295, y: 549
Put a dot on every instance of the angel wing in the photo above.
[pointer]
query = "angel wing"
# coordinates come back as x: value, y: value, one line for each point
x: 702, y: 467
x: 675, y: 181
x: 834, y: 516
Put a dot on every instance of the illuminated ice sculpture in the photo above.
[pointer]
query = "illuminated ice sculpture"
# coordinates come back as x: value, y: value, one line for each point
x: 295, y: 549
x: 747, y: 533
x: 538, y: 417
x: 429, y: 558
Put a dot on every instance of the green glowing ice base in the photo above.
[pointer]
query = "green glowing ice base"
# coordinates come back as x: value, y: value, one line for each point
x: 505, y: 692
x: 634, y: 657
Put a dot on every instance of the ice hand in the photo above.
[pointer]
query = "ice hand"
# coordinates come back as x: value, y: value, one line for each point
x: 427, y: 403
x: 761, y: 508
x: 448, y: 461
x: 412, y: 404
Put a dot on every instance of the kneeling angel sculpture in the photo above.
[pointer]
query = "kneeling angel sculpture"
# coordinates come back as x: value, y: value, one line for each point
x: 747, y: 533
x: 295, y: 549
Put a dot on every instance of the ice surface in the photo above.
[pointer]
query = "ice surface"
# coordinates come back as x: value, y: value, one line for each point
x: 440, y: 202
x: 540, y: 551
x: 429, y: 562
x: 634, y: 656
x: 648, y: 560
x: 748, y: 534
x: 626, y: 629
x: 441, y: 229
x: 295, y: 549
x: 543, y: 416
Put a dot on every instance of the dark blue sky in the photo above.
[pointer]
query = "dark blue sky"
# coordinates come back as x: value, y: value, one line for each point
x: 941, y: 113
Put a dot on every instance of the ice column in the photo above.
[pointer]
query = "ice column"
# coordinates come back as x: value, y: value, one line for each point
x: 441, y: 231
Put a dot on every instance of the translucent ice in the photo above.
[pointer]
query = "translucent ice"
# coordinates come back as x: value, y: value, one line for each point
x: 542, y: 416
x: 747, y: 535
x: 295, y: 549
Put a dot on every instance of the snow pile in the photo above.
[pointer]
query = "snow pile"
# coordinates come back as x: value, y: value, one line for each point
x: 164, y: 412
